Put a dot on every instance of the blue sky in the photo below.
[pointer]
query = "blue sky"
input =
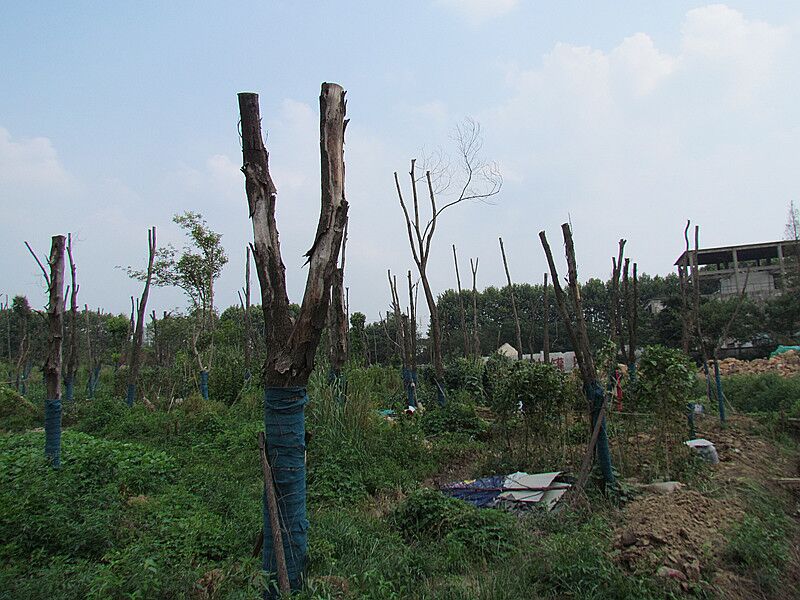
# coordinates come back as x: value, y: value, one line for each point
x: 628, y: 117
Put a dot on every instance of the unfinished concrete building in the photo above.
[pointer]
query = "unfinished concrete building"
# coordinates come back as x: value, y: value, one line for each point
x: 724, y: 270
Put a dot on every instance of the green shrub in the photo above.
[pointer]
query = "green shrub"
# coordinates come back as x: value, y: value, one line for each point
x: 465, y: 374
x: 457, y: 417
x: 537, y: 388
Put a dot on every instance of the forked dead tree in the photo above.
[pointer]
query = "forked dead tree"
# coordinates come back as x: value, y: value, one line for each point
x: 579, y: 339
x: 52, y: 364
x: 631, y: 295
x: 141, y: 315
x: 480, y: 181
x: 517, y: 330
x: 291, y: 345
x: 405, y: 339
x: 71, y: 366
x: 476, y: 339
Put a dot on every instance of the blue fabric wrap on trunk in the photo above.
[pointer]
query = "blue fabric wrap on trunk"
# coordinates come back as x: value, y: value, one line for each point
x: 131, y: 394
x: 69, y: 389
x: 594, y: 394
x: 410, y: 377
x: 52, y: 432
x: 204, y: 384
x: 284, y: 423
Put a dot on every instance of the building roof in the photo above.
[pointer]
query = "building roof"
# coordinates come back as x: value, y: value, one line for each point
x: 724, y: 254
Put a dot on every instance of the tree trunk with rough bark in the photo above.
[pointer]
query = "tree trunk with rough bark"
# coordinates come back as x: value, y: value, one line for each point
x: 52, y: 364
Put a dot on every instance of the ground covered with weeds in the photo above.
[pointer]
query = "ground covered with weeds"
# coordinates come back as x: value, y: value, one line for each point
x: 167, y: 504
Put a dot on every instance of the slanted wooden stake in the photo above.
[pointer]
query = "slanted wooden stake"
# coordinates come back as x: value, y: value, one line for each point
x: 275, y: 527
x: 517, y: 329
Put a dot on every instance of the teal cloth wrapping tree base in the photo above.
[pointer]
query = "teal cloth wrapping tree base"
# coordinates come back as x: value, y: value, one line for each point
x: 409, y: 378
x: 92, y: 382
x: 284, y: 424
x: 204, y: 384
x: 720, y: 396
x: 440, y: 395
x: 69, y: 389
x: 594, y: 394
x: 131, y: 394
x: 52, y: 432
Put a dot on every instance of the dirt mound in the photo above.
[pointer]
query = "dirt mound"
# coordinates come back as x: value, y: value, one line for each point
x: 785, y: 365
x: 675, y: 530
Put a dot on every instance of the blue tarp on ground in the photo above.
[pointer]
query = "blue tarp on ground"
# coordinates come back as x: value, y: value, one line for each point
x: 478, y: 492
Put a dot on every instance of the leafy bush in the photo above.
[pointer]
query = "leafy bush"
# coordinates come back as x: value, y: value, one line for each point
x: 470, y: 533
x: 16, y: 413
x: 494, y: 370
x: 665, y: 381
x: 465, y: 374
x: 537, y: 387
x: 456, y: 417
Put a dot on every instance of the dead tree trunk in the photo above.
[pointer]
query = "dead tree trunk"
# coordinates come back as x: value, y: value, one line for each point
x: 291, y: 346
x: 71, y: 366
x: 686, y: 311
x: 546, y: 326
x: 92, y: 357
x: 248, y: 335
x: 616, y: 311
x: 476, y: 339
x: 579, y: 339
x: 337, y: 328
x: 633, y: 324
x: 138, y: 334
x: 405, y: 340
x: 52, y: 363
x: 517, y: 330
x: 463, y: 313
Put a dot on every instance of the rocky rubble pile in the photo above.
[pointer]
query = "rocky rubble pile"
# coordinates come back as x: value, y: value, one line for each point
x: 785, y: 365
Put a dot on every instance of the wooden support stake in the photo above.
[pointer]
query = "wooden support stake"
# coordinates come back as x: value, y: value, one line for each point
x: 274, y: 521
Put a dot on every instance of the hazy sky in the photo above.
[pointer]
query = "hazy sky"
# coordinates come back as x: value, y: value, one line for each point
x: 629, y: 117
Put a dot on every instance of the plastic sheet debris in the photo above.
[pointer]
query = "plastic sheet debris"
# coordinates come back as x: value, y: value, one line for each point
x: 704, y: 449
x: 517, y: 489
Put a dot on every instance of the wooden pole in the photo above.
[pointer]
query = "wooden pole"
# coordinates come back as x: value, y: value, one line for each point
x: 274, y: 521
x: 517, y: 329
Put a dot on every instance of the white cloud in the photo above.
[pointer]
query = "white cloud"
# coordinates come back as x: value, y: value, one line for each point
x: 638, y: 63
x: 31, y: 162
x: 477, y: 11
